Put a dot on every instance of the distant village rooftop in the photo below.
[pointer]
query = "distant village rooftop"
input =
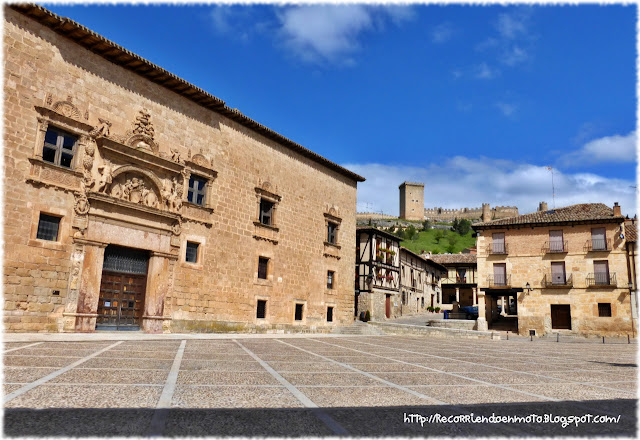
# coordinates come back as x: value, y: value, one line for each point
x: 454, y: 258
x: 582, y: 213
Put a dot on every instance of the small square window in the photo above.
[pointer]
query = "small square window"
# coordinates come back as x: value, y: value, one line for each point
x: 59, y: 147
x: 262, y: 309
x: 192, y: 252
x: 299, y: 310
x: 266, y: 212
x: 332, y: 232
x: 263, y: 264
x: 48, y: 226
x: 197, y: 190
x: 329, y: 314
x: 330, y: 277
x: 604, y: 310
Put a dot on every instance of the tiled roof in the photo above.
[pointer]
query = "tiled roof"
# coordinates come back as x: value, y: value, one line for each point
x: 632, y: 232
x: 455, y: 258
x: 583, y: 212
x: 371, y: 229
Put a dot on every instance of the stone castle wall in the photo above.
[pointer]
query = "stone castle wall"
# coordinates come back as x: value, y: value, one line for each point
x: 442, y: 214
x: 54, y: 285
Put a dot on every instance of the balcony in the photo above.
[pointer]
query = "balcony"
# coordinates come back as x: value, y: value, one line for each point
x: 498, y: 249
x: 499, y: 281
x: 461, y: 280
x: 601, y: 280
x: 555, y: 247
x: 557, y: 281
x: 598, y: 245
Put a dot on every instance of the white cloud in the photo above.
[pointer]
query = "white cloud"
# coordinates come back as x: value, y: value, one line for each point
x: 464, y: 182
x: 615, y: 149
x: 514, y: 55
x: 483, y: 71
x: 513, y: 25
x: 331, y: 33
x: 442, y: 33
x: 506, y: 108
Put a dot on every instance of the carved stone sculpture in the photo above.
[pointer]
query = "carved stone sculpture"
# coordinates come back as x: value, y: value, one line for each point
x: 102, y: 129
x: 142, y: 125
x: 106, y: 177
x: 81, y: 206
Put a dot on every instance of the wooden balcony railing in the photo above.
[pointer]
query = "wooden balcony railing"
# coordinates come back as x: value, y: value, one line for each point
x: 551, y: 280
x: 601, y: 280
x: 599, y: 244
x: 497, y: 281
x: 498, y: 249
x: 551, y: 247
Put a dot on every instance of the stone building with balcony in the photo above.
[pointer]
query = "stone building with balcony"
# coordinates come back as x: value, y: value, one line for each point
x: 565, y: 269
x: 460, y: 284
x: 134, y: 199
x: 420, y: 282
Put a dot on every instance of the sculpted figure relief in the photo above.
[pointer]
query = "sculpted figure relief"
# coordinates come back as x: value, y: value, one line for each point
x: 142, y: 124
x: 172, y: 194
x: 105, y: 178
x: 134, y: 189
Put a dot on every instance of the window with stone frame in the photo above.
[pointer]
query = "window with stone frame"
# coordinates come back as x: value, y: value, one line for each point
x: 266, y: 212
x: 332, y: 232
x: 191, y: 255
x: 261, y: 311
x: 330, y: 279
x: 263, y: 268
x: 197, y: 192
x: 604, y: 310
x: 48, y: 227
x: 59, y: 147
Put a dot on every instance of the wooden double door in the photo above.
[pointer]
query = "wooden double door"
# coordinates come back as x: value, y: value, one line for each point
x: 561, y: 316
x: 122, y: 289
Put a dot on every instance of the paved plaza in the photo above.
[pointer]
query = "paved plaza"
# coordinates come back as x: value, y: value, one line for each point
x: 231, y: 385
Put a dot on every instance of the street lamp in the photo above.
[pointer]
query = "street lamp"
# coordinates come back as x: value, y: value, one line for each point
x: 528, y: 287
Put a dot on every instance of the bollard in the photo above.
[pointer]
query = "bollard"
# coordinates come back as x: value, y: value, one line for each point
x: 603, y: 339
x: 557, y: 337
x: 531, y: 338
x: 628, y: 339
x: 507, y: 335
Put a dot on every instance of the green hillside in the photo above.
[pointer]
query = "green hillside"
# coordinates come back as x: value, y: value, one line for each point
x: 439, y: 241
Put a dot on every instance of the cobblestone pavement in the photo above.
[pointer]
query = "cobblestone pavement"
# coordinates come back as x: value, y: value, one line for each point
x: 315, y: 386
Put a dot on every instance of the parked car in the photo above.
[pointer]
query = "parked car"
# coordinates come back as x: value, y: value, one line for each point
x: 471, y: 311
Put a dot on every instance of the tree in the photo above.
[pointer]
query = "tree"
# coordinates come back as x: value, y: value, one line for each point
x: 411, y: 233
x: 400, y: 233
x: 462, y: 227
x: 438, y: 235
x: 426, y: 225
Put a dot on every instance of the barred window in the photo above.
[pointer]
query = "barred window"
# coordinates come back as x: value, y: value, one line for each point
x: 332, y: 232
x: 59, y: 147
x: 48, y: 226
x: 604, y: 310
x: 330, y: 276
x: 263, y: 265
x: 192, y: 252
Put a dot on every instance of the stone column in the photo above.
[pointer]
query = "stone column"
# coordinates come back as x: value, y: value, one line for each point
x: 475, y: 296
x: 89, y: 285
x: 504, y: 310
x: 482, y: 312
x: 159, y: 283
x: 458, y: 295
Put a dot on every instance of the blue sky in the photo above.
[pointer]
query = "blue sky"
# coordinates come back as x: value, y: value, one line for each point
x: 474, y: 101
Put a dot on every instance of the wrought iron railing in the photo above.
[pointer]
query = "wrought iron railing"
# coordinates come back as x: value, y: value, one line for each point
x: 557, y: 280
x: 551, y: 247
x: 598, y: 244
x: 601, y: 279
x: 499, y: 280
x: 498, y: 249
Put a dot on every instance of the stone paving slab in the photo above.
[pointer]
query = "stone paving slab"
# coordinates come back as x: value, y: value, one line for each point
x: 462, y: 395
x: 574, y: 392
x: 233, y: 397
x: 226, y: 378
x: 26, y: 374
x: 88, y: 396
x: 118, y: 376
x: 128, y: 364
x: 423, y: 378
x: 345, y: 379
x: 38, y: 361
x: 361, y: 397
x: 190, y: 364
x: 305, y: 367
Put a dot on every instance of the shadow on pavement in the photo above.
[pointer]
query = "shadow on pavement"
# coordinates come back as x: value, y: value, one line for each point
x: 369, y: 422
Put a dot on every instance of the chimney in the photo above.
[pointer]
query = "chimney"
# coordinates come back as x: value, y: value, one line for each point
x: 616, y: 209
x: 486, y: 212
x: 543, y: 207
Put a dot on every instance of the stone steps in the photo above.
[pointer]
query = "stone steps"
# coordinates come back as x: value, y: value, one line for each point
x: 358, y: 328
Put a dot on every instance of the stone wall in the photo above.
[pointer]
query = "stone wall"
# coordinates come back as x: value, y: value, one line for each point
x: 442, y: 214
x: 436, y: 332
x: 526, y: 262
x: 53, y: 286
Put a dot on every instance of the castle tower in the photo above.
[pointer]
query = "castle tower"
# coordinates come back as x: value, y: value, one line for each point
x: 411, y: 201
x: 486, y: 212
